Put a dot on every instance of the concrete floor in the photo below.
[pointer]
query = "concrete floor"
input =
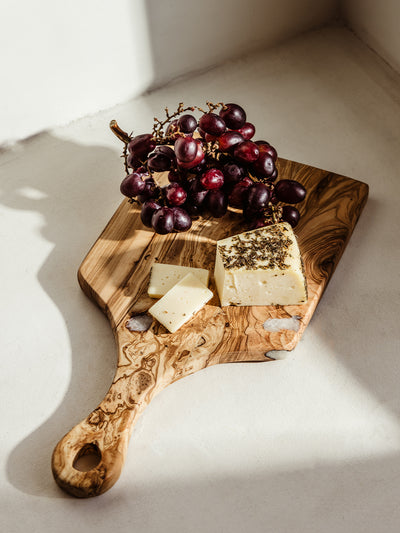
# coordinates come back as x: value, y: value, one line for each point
x: 310, y: 443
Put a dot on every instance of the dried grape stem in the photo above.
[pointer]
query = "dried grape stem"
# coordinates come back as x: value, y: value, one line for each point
x: 273, y: 214
x: 212, y: 107
x: 158, y: 127
x: 125, y: 156
x: 121, y: 134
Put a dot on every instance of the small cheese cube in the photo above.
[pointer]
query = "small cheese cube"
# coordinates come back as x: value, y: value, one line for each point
x: 163, y: 277
x: 181, y: 302
x: 260, y: 267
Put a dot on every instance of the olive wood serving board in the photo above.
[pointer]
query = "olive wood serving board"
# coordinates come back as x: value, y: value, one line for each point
x: 115, y: 275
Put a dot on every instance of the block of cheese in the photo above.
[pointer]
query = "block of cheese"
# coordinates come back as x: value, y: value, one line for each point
x: 260, y: 267
x: 163, y: 277
x: 181, y: 302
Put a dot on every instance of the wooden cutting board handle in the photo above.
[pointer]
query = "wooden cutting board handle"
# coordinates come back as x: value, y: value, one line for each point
x: 104, y: 435
x: 147, y: 364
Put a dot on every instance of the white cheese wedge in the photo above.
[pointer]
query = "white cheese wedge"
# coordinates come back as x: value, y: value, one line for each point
x: 260, y: 267
x: 163, y: 277
x: 181, y: 302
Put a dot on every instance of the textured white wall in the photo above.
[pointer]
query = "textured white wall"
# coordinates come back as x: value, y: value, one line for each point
x: 64, y: 60
x: 377, y: 23
x: 192, y: 35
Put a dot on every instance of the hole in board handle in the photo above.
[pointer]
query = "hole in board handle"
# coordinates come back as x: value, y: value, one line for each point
x: 88, y: 457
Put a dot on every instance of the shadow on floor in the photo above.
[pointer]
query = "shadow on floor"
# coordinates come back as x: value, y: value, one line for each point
x: 54, y: 177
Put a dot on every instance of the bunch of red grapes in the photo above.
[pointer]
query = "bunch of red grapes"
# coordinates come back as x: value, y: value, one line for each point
x: 212, y: 164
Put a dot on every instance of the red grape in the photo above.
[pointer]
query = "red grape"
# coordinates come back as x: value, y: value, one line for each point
x: 232, y: 173
x: 233, y: 115
x: 185, y: 149
x: 147, y: 212
x: 251, y: 214
x: 199, y: 168
x: 174, y: 176
x: 162, y: 221
x: 211, y: 138
x: 197, y: 193
x: 198, y: 158
x: 267, y: 148
x: 132, y: 185
x: 246, y: 152
x: 229, y: 139
x: 167, y: 150
x: 290, y: 191
x: 151, y: 190
x: 212, y: 179
x: 290, y: 214
x: 273, y: 176
x: 237, y: 196
x: 141, y: 145
x: 182, y: 220
x: 193, y: 210
x: 187, y: 123
x: 212, y: 123
x: 264, y: 166
x: 247, y: 130
x: 273, y: 199
x: 175, y: 194
x: 257, y: 197
x: 159, y: 162
x: 133, y: 161
x: 258, y: 223
x: 217, y: 203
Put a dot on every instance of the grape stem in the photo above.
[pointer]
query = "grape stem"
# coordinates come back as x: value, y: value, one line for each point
x: 121, y: 134
x: 158, y: 128
x: 125, y: 138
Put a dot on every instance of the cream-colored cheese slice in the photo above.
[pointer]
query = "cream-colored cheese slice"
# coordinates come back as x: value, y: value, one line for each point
x: 181, y: 302
x: 260, y: 267
x: 163, y: 277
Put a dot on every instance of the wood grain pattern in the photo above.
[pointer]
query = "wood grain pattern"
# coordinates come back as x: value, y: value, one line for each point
x: 115, y: 275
